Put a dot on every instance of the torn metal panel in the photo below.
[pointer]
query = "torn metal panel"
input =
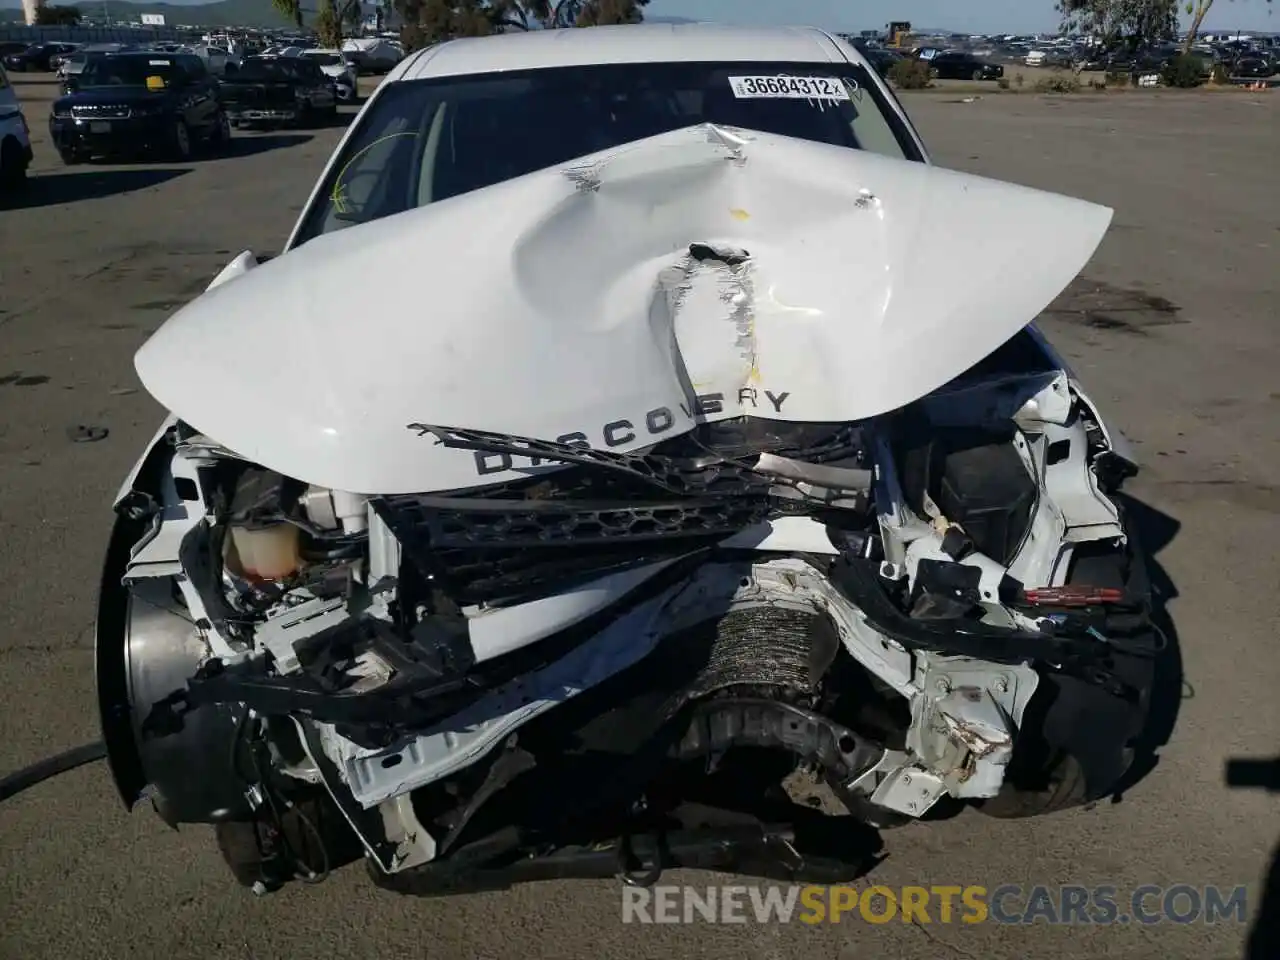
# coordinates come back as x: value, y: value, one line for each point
x: 599, y: 317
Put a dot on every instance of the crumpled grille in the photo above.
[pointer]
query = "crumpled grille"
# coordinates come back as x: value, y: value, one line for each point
x: 96, y: 111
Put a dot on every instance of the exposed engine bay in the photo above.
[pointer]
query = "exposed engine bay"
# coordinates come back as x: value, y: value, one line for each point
x: 626, y: 661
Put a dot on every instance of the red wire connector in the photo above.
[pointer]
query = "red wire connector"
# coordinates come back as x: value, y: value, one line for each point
x: 1073, y: 596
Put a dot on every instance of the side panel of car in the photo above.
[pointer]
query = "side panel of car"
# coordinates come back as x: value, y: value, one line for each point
x: 15, y: 142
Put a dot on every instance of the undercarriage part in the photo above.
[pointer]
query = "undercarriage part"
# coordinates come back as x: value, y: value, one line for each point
x: 720, y: 725
x: 640, y: 859
x: 304, y: 840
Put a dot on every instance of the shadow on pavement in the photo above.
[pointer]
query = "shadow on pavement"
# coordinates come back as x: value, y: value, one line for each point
x: 249, y: 144
x: 1155, y: 530
x: 50, y: 189
x: 1264, y: 935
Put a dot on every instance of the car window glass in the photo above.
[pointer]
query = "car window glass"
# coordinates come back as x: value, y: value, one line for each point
x: 129, y: 71
x: 435, y: 139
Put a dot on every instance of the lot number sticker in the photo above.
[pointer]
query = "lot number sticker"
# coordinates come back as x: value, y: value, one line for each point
x: 789, y: 88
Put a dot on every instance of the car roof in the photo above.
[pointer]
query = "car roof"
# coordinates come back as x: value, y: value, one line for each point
x: 142, y: 54
x: 638, y: 43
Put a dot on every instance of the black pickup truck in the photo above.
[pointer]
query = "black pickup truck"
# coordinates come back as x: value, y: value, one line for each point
x: 278, y: 91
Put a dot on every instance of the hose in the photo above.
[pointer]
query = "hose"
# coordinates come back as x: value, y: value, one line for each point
x: 43, y: 770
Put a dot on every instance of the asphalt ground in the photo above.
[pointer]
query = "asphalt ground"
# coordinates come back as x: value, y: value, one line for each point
x: 1174, y: 333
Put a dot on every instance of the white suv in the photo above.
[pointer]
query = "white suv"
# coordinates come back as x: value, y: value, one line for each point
x: 15, y: 140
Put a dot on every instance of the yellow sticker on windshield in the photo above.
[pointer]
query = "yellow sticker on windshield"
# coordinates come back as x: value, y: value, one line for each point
x: 155, y: 83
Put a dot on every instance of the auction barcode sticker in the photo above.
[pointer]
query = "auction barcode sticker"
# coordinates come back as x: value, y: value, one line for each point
x: 790, y: 88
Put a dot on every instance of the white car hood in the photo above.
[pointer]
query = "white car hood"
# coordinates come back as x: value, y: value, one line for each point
x: 567, y: 304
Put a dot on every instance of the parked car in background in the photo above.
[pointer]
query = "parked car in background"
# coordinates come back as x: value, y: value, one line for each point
x: 341, y: 70
x: 1142, y: 60
x: 1055, y: 59
x: 73, y: 63
x: 36, y: 58
x: 15, y: 137
x: 882, y: 60
x: 55, y: 61
x: 1253, y: 66
x: 215, y: 58
x: 139, y: 104
x: 373, y: 54
x: 956, y: 65
x: 278, y: 91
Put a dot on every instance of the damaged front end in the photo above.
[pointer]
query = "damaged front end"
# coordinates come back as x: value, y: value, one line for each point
x: 737, y: 629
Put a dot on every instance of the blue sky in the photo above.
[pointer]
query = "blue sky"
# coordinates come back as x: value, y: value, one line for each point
x: 976, y: 16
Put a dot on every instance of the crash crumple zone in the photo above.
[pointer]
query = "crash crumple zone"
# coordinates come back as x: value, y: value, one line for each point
x: 686, y: 486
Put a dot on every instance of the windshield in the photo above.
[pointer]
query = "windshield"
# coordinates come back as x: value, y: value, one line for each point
x: 151, y: 72
x: 324, y: 59
x: 255, y: 69
x: 427, y: 140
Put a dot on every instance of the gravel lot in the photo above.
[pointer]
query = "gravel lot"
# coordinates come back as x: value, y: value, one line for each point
x: 1175, y: 334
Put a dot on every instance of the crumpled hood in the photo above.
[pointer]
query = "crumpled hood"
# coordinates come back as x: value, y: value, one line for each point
x: 701, y: 273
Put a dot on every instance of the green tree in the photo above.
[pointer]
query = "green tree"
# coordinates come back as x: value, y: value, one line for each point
x: 331, y: 19
x: 290, y: 9
x: 1111, y: 21
x: 433, y: 21
x: 1197, y: 10
x: 57, y: 16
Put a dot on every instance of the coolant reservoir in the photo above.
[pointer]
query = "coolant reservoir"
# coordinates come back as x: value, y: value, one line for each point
x: 264, y: 553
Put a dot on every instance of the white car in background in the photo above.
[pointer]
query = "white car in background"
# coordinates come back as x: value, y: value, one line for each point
x: 215, y: 58
x: 15, y: 139
x: 337, y: 66
x: 373, y: 54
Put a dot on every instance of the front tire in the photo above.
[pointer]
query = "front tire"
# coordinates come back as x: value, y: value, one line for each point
x: 13, y: 165
x: 180, y: 141
x: 220, y: 140
x: 1064, y: 788
x: 977, y: 76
